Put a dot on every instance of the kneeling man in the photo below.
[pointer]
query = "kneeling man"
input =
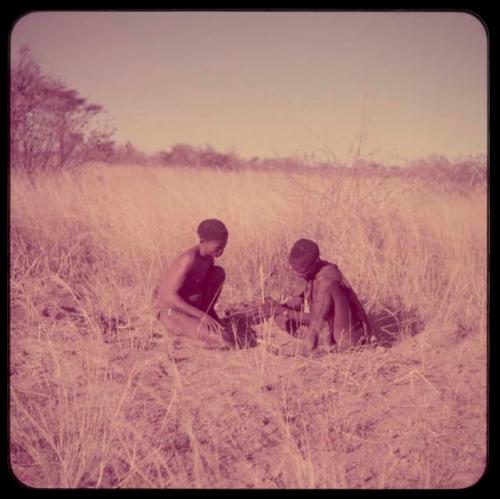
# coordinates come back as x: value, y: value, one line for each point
x: 336, y: 315
x: 190, y: 287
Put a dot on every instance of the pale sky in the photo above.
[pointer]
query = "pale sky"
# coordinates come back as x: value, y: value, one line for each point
x: 276, y: 83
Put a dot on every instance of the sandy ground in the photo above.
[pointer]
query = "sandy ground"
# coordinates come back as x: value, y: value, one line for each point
x: 411, y: 415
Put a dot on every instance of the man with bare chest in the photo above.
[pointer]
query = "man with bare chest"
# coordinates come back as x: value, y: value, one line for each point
x: 190, y: 287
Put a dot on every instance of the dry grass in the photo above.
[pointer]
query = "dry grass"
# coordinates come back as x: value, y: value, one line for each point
x: 102, y: 397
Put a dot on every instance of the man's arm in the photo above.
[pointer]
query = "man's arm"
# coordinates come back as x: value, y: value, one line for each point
x: 299, y: 316
x: 295, y: 302
x: 318, y: 317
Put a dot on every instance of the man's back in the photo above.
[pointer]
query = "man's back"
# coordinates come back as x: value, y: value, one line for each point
x: 321, y: 293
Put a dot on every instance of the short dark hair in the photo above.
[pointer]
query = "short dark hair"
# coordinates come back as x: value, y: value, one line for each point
x: 303, y: 255
x: 212, y: 230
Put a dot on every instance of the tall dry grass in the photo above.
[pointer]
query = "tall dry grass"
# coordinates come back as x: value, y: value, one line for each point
x: 98, y: 400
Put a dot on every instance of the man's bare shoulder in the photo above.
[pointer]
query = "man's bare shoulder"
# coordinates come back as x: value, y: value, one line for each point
x: 190, y: 253
x: 186, y: 259
x: 329, y: 273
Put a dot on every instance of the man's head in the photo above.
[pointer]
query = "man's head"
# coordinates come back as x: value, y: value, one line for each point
x: 304, y: 257
x: 213, y: 237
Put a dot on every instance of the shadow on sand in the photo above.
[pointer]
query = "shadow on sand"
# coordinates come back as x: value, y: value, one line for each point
x: 390, y: 324
x: 238, y: 330
x: 238, y: 322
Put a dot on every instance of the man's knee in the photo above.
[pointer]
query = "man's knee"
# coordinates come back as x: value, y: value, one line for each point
x: 179, y: 324
x: 170, y: 321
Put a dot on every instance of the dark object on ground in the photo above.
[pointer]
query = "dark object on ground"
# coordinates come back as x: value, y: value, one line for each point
x: 392, y: 323
x: 238, y: 331
x: 238, y: 322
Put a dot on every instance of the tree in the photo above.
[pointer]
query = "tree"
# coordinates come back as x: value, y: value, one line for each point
x: 51, y: 125
x: 207, y: 156
x: 129, y: 154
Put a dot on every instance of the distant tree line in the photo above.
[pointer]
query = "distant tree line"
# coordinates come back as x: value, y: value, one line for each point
x: 466, y: 172
x: 187, y: 155
x: 53, y: 128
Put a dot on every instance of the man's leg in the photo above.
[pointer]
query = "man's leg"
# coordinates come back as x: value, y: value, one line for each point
x: 345, y: 332
x: 211, y: 289
x: 349, y: 338
x: 290, y: 325
x: 181, y: 324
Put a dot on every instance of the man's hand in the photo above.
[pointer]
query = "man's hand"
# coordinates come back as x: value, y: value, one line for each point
x: 283, y: 310
x: 295, y: 302
x: 271, y: 306
x: 214, y: 326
